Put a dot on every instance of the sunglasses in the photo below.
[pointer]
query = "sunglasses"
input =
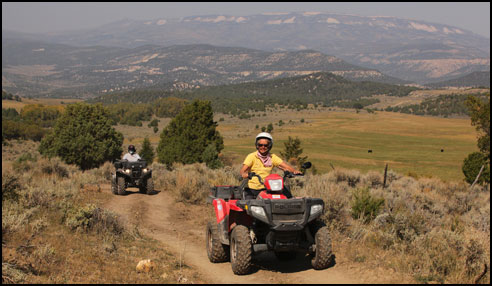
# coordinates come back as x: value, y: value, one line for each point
x: 262, y: 145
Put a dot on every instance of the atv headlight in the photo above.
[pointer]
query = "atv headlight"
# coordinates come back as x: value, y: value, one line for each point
x: 144, y: 170
x: 127, y: 171
x: 259, y: 212
x: 276, y: 185
x: 315, y: 211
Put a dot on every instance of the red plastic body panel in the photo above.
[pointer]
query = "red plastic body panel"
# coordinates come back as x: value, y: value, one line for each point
x: 266, y: 195
x: 232, y: 206
x: 221, y: 209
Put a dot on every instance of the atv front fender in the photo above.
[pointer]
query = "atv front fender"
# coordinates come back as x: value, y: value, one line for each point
x: 222, y: 215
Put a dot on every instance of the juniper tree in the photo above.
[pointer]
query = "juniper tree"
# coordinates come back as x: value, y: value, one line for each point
x: 292, y: 152
x: 147, y: 152
x: 472, y: 165
x: 185, y: 138
x: 480, y: 118
x: 83, y: 135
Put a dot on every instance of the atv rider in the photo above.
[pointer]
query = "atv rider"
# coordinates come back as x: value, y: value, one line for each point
x: 262, y: 162
x: 132, y: 155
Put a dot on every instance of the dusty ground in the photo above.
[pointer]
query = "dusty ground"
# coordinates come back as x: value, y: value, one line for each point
x: 169, y: 222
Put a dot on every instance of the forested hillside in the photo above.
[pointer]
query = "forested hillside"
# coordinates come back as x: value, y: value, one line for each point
x: 319, y: 88
x: 474, y: 79
x: 444, y: 105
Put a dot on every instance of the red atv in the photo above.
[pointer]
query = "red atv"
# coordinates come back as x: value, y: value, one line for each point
x: 274, y: 221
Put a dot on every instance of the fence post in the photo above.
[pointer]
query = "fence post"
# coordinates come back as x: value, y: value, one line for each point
x: 385, y: 172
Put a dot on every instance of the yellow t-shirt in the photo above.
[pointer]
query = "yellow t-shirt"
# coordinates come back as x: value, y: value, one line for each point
x: 256, y: 165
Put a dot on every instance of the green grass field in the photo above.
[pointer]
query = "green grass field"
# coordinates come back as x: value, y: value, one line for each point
x: 408, y: 144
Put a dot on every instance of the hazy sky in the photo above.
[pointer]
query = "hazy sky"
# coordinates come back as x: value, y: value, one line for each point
x: 39, y: 17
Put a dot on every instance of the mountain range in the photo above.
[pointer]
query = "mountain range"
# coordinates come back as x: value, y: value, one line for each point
x: 44, y: 69
x: 411, y: 50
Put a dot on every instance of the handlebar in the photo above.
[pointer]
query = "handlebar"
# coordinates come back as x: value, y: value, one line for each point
x: 287, y: 174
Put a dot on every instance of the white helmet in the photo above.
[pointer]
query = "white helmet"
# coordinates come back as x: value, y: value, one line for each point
x: 264, y: 135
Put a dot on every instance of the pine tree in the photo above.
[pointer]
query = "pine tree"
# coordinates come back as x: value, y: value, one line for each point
x: 147, y: 152
x: 83, y: 136
x: 185, y: 138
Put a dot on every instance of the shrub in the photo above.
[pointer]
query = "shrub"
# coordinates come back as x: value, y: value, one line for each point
x: 91, y: 217
x: 53, y: 166
x: 352, y: 177
x: 374, y: 179
x: 439, y: 254
x: 10, y: 187
x: 364, y: 206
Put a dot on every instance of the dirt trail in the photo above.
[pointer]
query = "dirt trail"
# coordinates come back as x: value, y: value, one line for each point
x: 188, y: 242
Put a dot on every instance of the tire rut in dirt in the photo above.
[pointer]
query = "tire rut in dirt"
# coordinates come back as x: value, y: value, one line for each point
x: 216, y: 251
x: 323, y: 256
x: 241, y: 250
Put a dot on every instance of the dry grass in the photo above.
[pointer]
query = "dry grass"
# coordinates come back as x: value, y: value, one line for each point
x: 433, y: 230
x: 191, y: 183
x: 55, y: 231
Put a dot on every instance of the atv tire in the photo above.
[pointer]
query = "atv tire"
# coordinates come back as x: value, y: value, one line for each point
x: 216, y: 251
x: 241, y: 250
x: 120, y: 186
x: 285, y: 256
x: 114, y: 188
x: 149, y: 186
x: 323, y: 255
